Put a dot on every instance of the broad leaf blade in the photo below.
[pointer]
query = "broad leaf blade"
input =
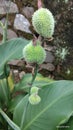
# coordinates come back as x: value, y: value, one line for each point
x: 55, y: 107
x: 12, y: 49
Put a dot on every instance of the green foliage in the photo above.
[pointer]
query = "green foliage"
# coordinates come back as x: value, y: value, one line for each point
x: 68, y: 125
x: 49, y: 105
x: 34, y: 53
x: 56, y: 107
x: 12, y: 124
x: 12, y: 49
x: 43, y: 22
x: 9, y: 50
x: 4, y: 96
x: 14, y: 101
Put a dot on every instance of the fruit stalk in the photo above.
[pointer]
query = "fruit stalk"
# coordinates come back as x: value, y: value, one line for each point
x: 39, y: 4
x: 35, y: 73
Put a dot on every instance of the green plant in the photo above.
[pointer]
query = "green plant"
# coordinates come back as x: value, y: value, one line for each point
x: 36, y: 102
x: 5, y: 26
x: 61, y: 53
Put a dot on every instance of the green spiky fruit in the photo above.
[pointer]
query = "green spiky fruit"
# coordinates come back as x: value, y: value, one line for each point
x: 34, y: 53
x: 34, y: 99
x: 34, y: 90
x: 43, y: 22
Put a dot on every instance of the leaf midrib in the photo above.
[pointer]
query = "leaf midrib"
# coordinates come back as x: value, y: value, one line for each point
x: 45, y: 109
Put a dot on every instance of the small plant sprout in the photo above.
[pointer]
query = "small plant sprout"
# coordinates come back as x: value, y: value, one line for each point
x: 43, y: 22
x: 61, y: 53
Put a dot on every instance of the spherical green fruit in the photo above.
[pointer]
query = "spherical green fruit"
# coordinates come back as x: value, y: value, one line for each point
x: 34, y: 99
x: 34, y: 53
x: 43, y: 22
x: 34, y: 90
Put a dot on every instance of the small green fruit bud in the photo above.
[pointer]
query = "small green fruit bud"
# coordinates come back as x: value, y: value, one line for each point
x: 43, y: 22
x: 34, y: 99
x: 34, y: 53
x: 34, y: 90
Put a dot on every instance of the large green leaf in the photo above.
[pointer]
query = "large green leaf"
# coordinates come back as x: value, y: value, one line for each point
x: 56, y: 107
x: 12, y: 49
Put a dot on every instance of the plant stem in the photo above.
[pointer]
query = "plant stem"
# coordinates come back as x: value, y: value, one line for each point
x: 35, y: 74
x: 5, y: 29
x: 33, y: 78
x: 9, y: 121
